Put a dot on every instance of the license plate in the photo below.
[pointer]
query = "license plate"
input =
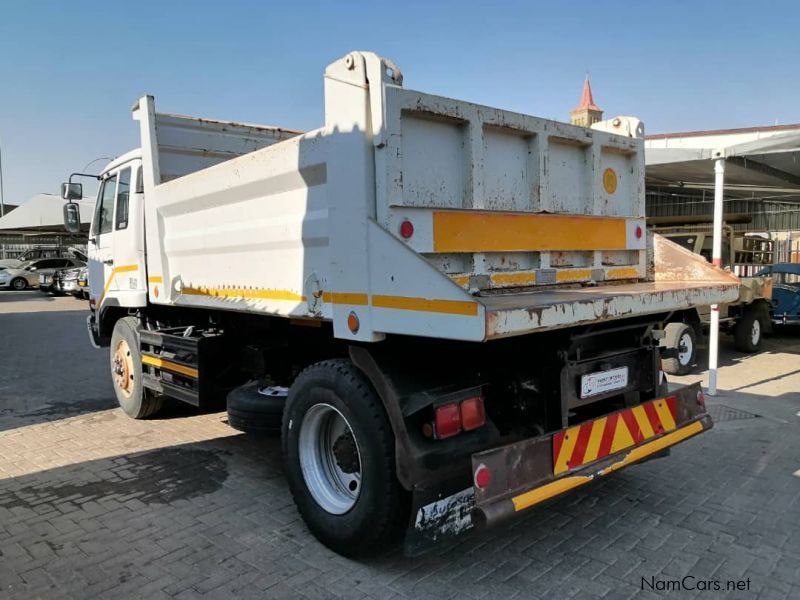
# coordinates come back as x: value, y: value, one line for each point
x: 601, y: 382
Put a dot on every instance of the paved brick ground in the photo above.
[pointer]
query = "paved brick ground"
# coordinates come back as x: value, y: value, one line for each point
x: 93, y: 504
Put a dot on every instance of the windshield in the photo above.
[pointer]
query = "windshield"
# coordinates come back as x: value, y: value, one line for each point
x: 790, y: 279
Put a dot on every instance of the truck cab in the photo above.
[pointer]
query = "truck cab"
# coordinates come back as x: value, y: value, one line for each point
x: 115, y: 249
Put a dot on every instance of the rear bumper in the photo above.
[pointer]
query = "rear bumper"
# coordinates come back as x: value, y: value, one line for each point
x: 531, y: 471
x: 526, y: 473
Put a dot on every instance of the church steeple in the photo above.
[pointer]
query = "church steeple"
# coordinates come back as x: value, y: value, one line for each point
x: 587, y: 112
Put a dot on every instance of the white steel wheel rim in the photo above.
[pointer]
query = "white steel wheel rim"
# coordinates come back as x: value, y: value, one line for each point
x: 330, y: 459
x: 685, y: 349
x: 755, y: 332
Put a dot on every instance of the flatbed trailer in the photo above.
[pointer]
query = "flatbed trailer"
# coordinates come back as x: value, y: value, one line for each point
x: 426, y: 298
x: 747, y: 318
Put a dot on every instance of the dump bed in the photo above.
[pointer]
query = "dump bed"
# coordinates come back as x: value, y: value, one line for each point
x: 410, y: 213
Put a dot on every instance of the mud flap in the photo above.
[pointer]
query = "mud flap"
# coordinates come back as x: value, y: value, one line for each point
x: 438, y: 519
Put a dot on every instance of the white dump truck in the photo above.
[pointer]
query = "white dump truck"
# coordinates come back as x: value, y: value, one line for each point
x: 445, y: 310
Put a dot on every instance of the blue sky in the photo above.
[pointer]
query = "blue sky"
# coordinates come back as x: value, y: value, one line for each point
x: 69, y: 71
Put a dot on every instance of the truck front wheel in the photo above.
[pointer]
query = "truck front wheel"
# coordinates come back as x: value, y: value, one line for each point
x: 682, y: 340
x: 338, y: 452
x: 126, y: 372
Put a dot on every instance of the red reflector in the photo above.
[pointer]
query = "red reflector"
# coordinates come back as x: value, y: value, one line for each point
x: 406, y: 229
x: 473, y: 414
x: 701, y: 399
x: 638, y: 232
x: 448, y: 421
x: 483, y: 476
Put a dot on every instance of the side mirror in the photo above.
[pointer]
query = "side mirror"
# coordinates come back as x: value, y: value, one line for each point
x: 72, y: 216
x: 71, y: 191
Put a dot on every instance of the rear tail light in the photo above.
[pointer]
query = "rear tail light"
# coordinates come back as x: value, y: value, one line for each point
x: 483, y: 476
x: 473, y: 414
x: 701, y: 399
x: 452, y: 419
x: 448, y: 421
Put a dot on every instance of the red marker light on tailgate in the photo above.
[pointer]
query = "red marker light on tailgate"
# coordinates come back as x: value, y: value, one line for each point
x: 406, y: 229
x: 473, y: 414
x: 448, y: 421
x: 638, y: 232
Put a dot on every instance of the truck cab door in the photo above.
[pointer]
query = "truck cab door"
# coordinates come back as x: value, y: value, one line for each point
x: 101, y: 247
x: 129, y: 285
x: 116, y: 266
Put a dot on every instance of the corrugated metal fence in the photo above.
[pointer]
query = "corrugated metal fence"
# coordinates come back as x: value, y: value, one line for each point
x: 780, y: 218
x: 12, y: 246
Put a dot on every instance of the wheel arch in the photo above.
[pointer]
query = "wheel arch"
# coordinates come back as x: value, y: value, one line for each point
x: 108, y: 317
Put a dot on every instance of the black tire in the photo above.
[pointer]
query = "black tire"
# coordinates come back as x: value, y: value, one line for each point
x: 19, y: 284
x: 253, y: 412
x: 748, y: 333
x: 140, y: 403
x: 678, y: 337
x: 380, y: 511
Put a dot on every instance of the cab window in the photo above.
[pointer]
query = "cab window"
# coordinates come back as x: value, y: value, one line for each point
x: 792, y: 279
x: 104, y: 211
x: 123, y: 197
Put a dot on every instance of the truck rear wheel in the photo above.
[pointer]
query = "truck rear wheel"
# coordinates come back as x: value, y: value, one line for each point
x: 682, y: 339
x: 338, y: 452
x: 126, y: 372
x: 749, y: 330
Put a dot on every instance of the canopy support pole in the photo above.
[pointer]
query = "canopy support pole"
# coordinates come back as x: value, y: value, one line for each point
x: 716, y: 259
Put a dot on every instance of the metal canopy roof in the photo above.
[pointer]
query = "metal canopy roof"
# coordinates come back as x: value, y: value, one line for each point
x: 763, y: 162
x: 43, y: 214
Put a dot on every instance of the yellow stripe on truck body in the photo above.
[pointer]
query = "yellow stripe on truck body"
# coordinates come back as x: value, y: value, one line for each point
x: 168, y: 365
x: 476, y: 231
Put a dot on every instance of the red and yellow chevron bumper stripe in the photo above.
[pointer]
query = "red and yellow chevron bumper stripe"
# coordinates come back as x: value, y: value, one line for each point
x: 533, y: 470
x: 593, y: 440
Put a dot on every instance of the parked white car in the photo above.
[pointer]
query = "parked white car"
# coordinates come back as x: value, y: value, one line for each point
x: 40, y: 252
x: 27, y: 275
